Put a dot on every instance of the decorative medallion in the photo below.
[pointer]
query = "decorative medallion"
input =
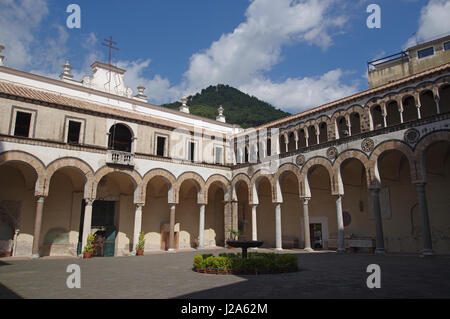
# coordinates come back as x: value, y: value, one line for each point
x: 367, y: 145
x: 300, y: 160
x: 332, y: 153
x: 412, y: 136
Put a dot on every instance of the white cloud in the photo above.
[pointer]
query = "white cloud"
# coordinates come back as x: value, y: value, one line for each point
x: 158, y: 89
x: 301, y: 93
x: 18, y: 21
x: 434, y: 22
x: 243, y: 57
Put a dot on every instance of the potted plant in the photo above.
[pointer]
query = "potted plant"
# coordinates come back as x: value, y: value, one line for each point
x: 89, y: 247
x: 140, y: 245
x: 234, y: 234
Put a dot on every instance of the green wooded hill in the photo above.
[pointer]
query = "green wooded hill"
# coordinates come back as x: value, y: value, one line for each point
x: 239, y: 108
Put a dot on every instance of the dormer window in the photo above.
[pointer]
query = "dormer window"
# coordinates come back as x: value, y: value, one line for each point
x: 425, y: 52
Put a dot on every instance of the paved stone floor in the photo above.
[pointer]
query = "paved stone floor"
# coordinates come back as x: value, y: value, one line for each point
x: 165, y: 275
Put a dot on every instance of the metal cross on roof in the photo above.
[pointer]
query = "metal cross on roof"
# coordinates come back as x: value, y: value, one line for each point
x: 110, y: 46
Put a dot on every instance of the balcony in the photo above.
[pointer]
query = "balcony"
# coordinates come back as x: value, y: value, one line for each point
x: 119, y: 158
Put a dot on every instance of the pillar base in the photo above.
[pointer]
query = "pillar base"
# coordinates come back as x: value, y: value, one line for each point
x: 35, y: 256
x: 380, y: 251
x: 279, y: 249
x: 341, y: 251
x: 427, y: 253
x: 200, y: 248
x: 133, y: 253
x: 171, y: 250
x: 308, y: 249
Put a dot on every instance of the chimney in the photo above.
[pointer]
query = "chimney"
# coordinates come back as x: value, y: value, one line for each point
x: 220, y: 118
x: 184, y: 108
x: 2, y: 57
x: 66, y: 72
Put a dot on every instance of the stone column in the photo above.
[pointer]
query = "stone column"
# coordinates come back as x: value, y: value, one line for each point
x: 201, y: 229
x: 419, y: 114
x: 307, y: 235
x: 340, y: 224
x: 172, y: 228
x: 234, y: 215
x: 37, y: 226
x: 427, y: 243
x: 375, y: 193
x: 137, y: 225
x: 278, y: 243
x: 86, y: 222
x: 436, y: 100
x: 254, y: 225
x: 400, y: 109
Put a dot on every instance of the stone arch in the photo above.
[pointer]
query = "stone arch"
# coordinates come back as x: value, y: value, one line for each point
x: 81, y: 165
x: 391, y: 145
x: 241, y: 177
x: 256, y: 178
x: 224, y: 183
x: 33, y: 162
x: 287, y: 167
x: 350, y: 154
x: 135, y: 177
x: 198, y: 181
x: 321, y: 161
x: 424, y: 143
x: 166, y: 175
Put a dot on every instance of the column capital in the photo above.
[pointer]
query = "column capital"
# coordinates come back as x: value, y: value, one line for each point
x: 40, y: 198
x: 89, y: 201
x: 139, y: 205
x: 305, y: 199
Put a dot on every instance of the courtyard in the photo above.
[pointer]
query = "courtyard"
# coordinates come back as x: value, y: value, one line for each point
x: 169, y: 275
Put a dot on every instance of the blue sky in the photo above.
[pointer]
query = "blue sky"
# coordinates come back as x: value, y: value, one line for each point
x: 293, y: 54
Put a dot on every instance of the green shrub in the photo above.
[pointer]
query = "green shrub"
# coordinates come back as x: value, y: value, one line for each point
x: 209, y: 261
x: 256, y: 262
x: 198, y: 260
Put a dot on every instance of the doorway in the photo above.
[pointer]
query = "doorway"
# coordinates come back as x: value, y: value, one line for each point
x: 315, y: 232
x: 103, y: 226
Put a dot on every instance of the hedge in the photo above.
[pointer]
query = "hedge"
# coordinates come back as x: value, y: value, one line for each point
x: 256, y: 263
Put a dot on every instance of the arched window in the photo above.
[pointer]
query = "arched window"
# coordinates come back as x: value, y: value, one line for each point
x: 427, y: 104
x: 120, y: 138
x: 292, y: 143
x: 342, y: 127
x: 269, y: 147
x: 301, y: 139
x: 377, y: 117
x: 312, y: 140
x: 355, y: 123
x: 409, y: 109
x: 393, y: 115
x: 323, y: 136
x: 444, y: 99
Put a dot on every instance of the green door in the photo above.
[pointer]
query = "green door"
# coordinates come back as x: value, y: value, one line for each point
x: 108, y: 247
x: 103, y: 218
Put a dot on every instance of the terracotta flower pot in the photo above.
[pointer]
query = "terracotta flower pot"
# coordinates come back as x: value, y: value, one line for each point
x: 87, y: 255
x: 140, y: 252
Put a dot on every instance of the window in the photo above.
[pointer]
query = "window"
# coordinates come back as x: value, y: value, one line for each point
x: 120, y: 138
x: 23, y: 121
x: 160, y: 145
x: 191, y: 151
x: 73, y: 134
x: 425, y: 52
x: 219, y: 155
x: 447, y: 46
